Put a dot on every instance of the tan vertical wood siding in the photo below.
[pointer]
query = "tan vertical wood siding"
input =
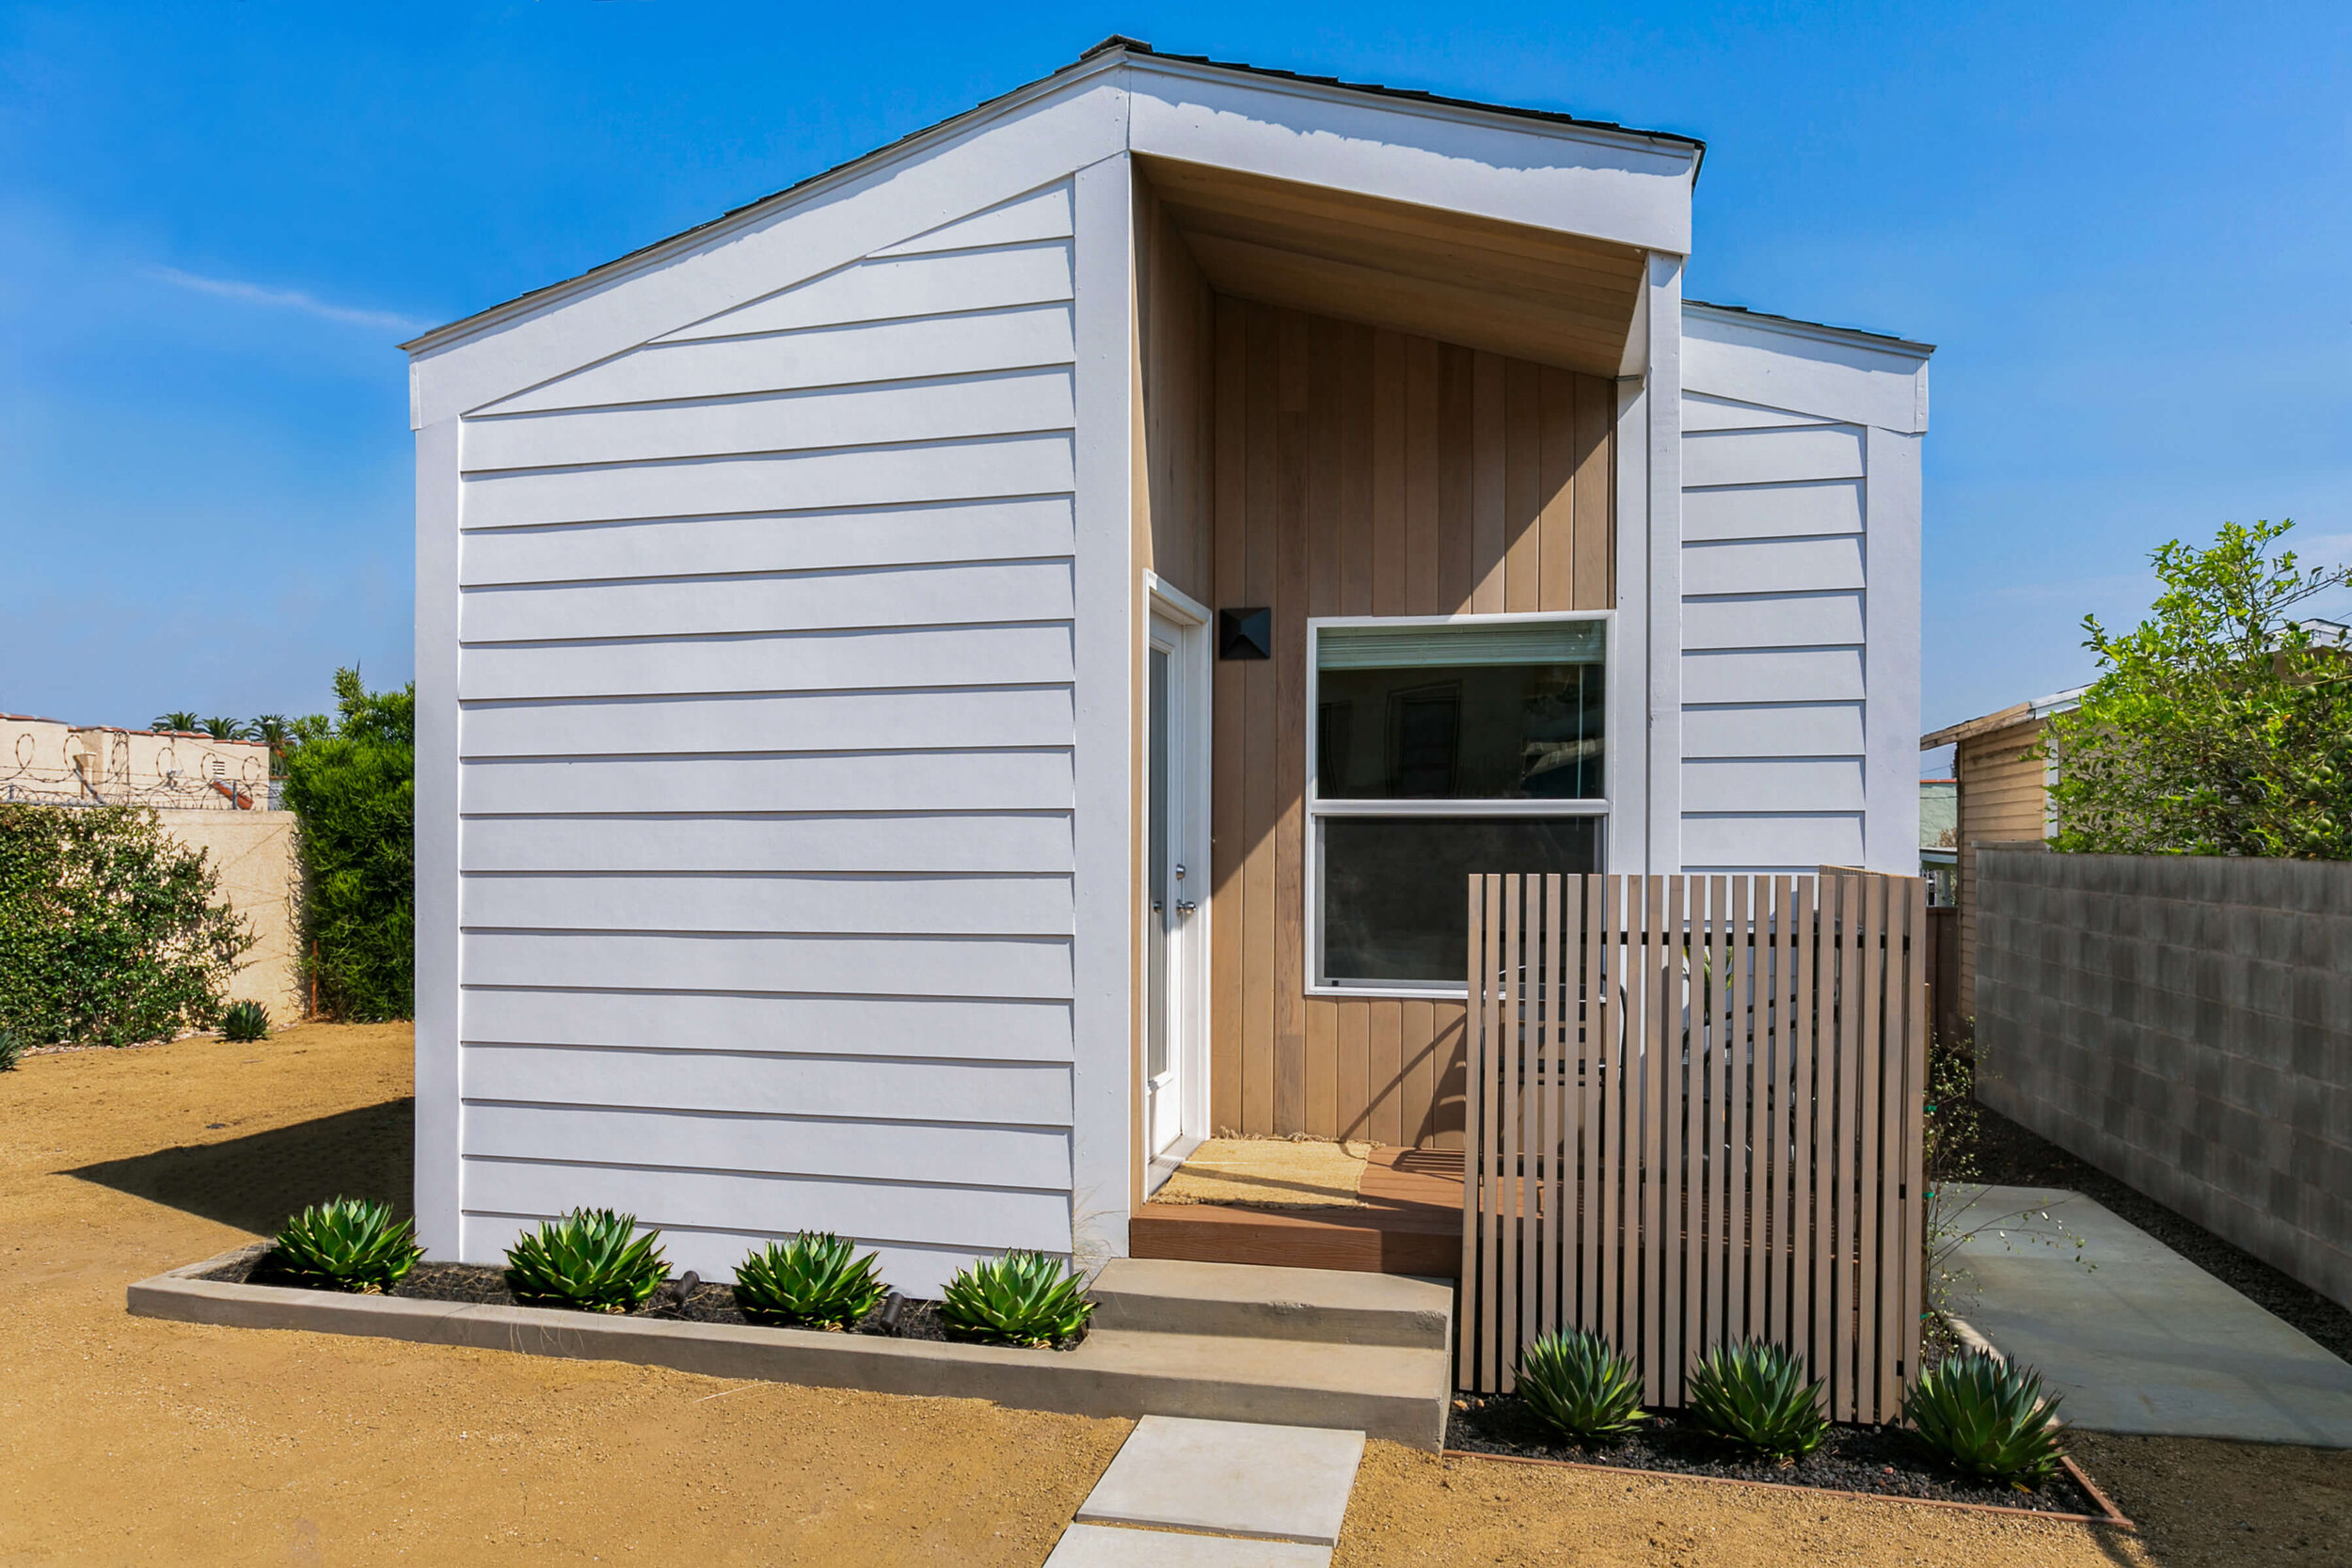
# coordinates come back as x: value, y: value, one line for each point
x: 2004, y: 798
x: 1356, y: 471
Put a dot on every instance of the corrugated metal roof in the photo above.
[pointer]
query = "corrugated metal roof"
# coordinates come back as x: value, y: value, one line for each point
x: 1133, y: 46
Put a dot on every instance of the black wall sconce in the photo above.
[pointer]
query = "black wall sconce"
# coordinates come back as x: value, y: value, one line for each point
x: 1245, y: 633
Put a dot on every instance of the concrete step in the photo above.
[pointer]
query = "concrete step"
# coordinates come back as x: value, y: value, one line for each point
x: 1383, y: 1390
x: 1157, y: 1295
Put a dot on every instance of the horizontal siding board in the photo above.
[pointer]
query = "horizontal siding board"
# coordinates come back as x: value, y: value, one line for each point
x: 829, y: 721
x: 1817, y: 730
x: 1775, y: 566
x: 1798, y: 620
x: 1701, y: 412
x: 1040, y: 216
x: 1035, y: 967
x: 1032, y: 842
x: 912, y: 1090
x: 981, y: 592
x: 711, y: 1140
x: 786, y: 661
x: 980, y: 1218
x: 791, y: 541
x: 888, y: 781
x: 884, y: 288
x: 895, y: 412
x: 1773, y: 675
x: 857, y: 476
x: 972, y: 1029
x: 1770, y: 784
x: 1771, y: 456
x: 823, y: 356
x: 1772, y: 511
x: 836, y: 902
x: 1763, y: 841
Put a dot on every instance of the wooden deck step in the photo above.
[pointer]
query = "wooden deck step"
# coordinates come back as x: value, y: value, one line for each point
x: 1410, y: 1223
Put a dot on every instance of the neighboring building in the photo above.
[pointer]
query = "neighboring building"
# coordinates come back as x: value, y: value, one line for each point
x: 2003, y: 797
x: 43, y: 760
x: 1939, y: 838
x: 940, y: 689
x: 211, y: 795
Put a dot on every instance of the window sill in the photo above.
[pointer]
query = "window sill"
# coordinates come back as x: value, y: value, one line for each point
x: 1392, y: 994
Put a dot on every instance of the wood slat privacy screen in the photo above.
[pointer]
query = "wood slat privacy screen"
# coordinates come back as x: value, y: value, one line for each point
x: 1694, y: 1118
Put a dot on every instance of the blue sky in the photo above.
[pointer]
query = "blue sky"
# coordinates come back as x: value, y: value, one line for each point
x: 2129, y: 227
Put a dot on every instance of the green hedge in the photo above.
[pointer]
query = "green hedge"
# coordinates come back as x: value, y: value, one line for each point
x: 111, y: 931
x: 352, y: 782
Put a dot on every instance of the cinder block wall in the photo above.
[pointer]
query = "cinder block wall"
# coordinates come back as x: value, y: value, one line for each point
x: 2184, y: 1023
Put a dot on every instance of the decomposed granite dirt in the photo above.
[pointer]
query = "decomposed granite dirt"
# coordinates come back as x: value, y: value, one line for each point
x: 136, y: 1440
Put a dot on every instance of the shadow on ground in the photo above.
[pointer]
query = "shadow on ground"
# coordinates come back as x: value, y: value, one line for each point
x: 255, y: 1182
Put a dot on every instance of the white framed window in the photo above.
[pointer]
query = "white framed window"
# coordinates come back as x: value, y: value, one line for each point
x: 1438, y: 747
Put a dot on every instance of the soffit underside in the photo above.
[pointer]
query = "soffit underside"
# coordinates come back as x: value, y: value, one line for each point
x: 1555, y: 298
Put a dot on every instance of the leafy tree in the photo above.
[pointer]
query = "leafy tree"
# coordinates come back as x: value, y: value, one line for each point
x: 178, y: 722
x: 111, y: 931
x: 2220, y: 726
x: 351, y: 780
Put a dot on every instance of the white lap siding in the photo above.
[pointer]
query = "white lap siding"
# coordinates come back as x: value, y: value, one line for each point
x: 1800, y: 582
x: 766, y: 728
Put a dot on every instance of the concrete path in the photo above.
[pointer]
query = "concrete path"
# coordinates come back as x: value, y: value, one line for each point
x: 2143, y: 1341
x: 1192, y: 1494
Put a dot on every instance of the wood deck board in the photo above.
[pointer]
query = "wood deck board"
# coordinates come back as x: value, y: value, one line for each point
x: 1411, y: 1221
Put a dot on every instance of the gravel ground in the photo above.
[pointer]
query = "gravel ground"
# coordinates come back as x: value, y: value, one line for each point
x: 1850, y: 1459
x: 2010, y: 1156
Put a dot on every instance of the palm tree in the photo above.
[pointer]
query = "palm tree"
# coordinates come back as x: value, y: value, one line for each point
x: 223, y: 729
x: 274, y: 731
x: 178, y: 722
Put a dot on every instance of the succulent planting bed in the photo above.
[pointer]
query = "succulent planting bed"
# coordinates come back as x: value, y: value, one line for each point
x: 481, y: 1284
x: 1880, y: 1460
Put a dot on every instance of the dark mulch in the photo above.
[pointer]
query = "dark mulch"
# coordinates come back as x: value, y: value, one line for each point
x: 1883, y: 1460
x: 705, y: 1304
x: 2010, y: 1156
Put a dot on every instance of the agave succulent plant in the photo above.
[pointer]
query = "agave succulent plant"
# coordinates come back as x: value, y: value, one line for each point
x: 1022, y: 1298
x: 816, y: 1278
x: 1755, y: 1396
x: 591, y: 1258
x: 348, y: 1245
x: 1580, y: 1387
x: 244, y: 1022
x: 1989, y: 1418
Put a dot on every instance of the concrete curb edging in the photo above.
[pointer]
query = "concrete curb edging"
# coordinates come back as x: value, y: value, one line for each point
x: 1110, y: 1373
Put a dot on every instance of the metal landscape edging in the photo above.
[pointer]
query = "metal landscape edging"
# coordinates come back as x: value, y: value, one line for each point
x: 2110, y: 1514
x: 1110, y: 1373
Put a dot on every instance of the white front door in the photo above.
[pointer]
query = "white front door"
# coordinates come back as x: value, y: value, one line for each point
x: 1175, y: 883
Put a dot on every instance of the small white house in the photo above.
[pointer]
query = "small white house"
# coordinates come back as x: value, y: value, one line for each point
x: 944, y: 685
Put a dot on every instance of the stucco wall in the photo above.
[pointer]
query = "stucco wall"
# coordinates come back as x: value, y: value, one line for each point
x: 253, y: 852
x: 2184, y: 1024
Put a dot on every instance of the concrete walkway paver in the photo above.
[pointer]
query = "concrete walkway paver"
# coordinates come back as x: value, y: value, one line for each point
x: 2145, y: 1341
x: 1103, y: 1546
x: 1230, y: 1477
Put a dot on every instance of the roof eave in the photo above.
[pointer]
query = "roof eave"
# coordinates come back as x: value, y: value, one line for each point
x: 1112, y: 55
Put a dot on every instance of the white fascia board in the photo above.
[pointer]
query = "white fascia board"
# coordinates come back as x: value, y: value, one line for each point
x: 1850, y: 377
x: 1008, y: 148
x: 1618, y: 186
